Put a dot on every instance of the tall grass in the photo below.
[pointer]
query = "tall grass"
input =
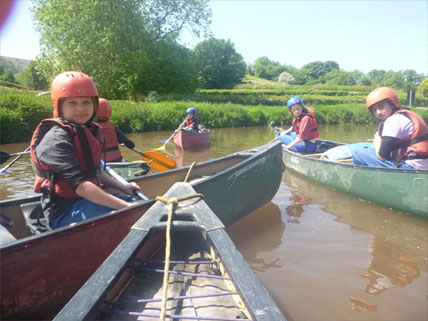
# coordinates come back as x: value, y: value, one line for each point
x: 21, y: 111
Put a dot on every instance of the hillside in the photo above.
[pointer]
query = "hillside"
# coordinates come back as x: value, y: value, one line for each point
x: 18, y: 63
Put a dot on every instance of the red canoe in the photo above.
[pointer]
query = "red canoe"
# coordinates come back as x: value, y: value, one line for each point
x: 186, y: 140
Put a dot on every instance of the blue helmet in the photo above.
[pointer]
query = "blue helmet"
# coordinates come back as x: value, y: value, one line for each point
x: 191, y: 110
x: 294, y: 100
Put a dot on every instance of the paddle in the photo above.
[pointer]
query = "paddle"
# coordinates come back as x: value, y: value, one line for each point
x: 157, y: 160
x: 162, y: 148
x: 120, y: 179
x: 5, y: 156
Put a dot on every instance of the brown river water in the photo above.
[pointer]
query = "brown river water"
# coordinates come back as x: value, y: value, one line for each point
x: 321, y: 254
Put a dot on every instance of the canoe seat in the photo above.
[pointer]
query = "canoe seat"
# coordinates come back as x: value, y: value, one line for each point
x: 31, y: 212
x: 324, y: 146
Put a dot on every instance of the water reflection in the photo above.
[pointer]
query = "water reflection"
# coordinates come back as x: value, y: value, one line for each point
x: 394, y: 233
x: 295, y: 209
x: 391, y: 266
x: 196, y: 154
x: 262, y: 230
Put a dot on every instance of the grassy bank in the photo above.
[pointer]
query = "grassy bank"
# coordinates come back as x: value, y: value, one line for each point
x: 21, y: 111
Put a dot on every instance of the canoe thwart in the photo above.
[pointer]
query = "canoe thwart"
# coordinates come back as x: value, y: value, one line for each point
x: 152, y: 219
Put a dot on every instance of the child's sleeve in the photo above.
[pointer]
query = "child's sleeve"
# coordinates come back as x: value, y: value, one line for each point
x: 122, y: 139
x: 57, y: 151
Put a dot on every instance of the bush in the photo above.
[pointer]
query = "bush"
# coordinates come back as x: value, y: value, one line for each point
x: 20, y: 115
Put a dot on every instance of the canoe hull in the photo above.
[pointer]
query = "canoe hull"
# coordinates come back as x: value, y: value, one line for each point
x: 41, y: 273
x: 130, y: 170
x: 399, y: 189
x: 186, y: 140
x: 201, y: 238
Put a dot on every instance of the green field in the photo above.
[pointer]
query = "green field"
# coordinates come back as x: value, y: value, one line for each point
x: 255, y: 102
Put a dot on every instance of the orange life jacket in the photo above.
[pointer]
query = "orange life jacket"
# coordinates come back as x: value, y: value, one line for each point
x: 88, y: 148
x: 194, y: 121
x: 314, y: 130
x: 112, y: 151
x: 417, y: 142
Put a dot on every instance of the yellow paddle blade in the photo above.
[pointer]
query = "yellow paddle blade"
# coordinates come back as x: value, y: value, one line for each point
x: 161, y: 149
x: 158, y: 161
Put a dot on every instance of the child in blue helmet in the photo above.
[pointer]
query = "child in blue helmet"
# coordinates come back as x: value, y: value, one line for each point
x: 191, y: 123
x: 301, y: 136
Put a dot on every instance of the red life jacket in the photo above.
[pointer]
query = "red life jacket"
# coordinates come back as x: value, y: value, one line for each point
x: 314, y: 130
x: 194, y: 121
x: 417, y: 142
x: 112, y: 151
x: 88, y: 149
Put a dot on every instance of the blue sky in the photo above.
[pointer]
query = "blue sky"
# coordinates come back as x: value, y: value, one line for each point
x: 358, y: 35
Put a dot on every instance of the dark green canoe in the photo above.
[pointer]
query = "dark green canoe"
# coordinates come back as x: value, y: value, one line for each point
x: 130, y: 170
x: 207, y: 278
x: 405, y: 190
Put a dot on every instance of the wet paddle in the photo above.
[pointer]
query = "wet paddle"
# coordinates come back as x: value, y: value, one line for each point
x: 120, y: 179
x: 5, y: 156
x: 166, y: 141
x: 157, y: 160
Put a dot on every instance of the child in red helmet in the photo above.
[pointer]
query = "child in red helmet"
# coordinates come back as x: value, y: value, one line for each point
x: 113, y: 135
x: 66, y: 152
x: 402, y: 136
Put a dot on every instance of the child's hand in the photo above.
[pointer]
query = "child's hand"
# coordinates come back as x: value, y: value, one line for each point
x: 130, y: 188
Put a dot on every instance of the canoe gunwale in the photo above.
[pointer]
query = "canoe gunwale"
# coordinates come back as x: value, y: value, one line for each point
x: 404, y: 190
x: 206, y: 228
x: 75, y: 245
x: 364, y: 167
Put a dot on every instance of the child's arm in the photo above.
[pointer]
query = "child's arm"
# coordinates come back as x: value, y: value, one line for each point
x: 288, y: 131
x: 121, y: 137
x: 92, y: 192
x: 284, y: 132
x: 109, y: 181
x: 295, y: 142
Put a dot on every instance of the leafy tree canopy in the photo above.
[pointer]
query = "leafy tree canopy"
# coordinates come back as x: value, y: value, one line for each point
x: 424, y: 88
x: 218, y: 64
x: 113, y: 40
x: 30, y: 77
x: 265, y: 68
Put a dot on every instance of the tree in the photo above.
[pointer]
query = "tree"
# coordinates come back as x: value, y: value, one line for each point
x: 112, y: 40
x: 411, y: 79
x: 424, y: 88
x: 8, y: 76
x: 218, y: 64
x: 267, y: 69
x: 314, y: 72
x: 286, y: 78
x: 341, y: 77
x: 376, y: 76
x: 30, y: 77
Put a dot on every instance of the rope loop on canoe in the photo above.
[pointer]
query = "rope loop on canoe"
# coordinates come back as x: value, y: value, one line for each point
x: 188, y: 172
x: 172, y: 204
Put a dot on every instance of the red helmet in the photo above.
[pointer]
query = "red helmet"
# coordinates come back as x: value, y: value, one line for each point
x: 380, y: 94
x: 104, y: 109
x: 72, y: 84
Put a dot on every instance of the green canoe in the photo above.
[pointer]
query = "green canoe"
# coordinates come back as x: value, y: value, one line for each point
x: 130, y: 169
x: 405, y: 190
